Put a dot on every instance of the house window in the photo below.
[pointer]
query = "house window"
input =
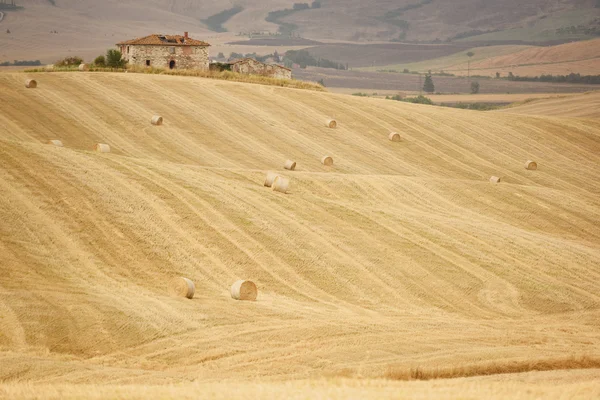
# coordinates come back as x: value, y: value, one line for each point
x: 147, y: 63
x: 172, y: 50
x: 127, y: 49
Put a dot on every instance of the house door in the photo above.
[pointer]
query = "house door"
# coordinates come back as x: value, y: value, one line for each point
x: 172, y: 64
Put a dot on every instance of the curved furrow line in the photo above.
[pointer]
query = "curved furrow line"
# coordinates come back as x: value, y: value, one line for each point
x: 186, y: 198
x: 370, y: 153
x: 510, y: 294
x: 428, y: 148
x: 321, y: 244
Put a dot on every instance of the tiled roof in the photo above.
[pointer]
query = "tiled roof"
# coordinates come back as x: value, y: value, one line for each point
x: 164, y: 40
x: 239, y: 60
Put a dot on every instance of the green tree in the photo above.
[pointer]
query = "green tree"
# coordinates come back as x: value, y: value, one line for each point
x: 469, y: 54
x: 474, y: 87
x: 428, y: 86
x: 100, y: 61
x: 69, y: 61
x: 114, y: 59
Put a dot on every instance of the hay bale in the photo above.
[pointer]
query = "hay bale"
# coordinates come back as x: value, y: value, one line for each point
x: 331, y: 123
x: 394, y: 137
x: 55, y: 142
x: 244, y: 290
x: 102, y: 148
x: 289, y: 164
x: 30, y: 83
x: 328, y: 161
x: 49, y: 67
x: 157, y: 120
x: 531, y: 165
x: 495, y: 179
x: 281, y: 184
x: 183, y: 287
x: 83, y: 67
x: 270, y: 178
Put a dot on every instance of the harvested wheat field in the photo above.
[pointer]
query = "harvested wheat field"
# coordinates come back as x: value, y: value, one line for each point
x: 586, y: 105
x: 399, y: 272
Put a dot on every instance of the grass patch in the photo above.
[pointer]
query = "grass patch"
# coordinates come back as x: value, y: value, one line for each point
x: 477, y: 106
x: 215, y: 22
x: 221, y: 75
x: 420, y: 99
x: 492, y: 368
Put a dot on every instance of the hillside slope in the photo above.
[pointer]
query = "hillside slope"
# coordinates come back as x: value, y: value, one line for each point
x: 400, y: 255
x: 578, y: 57
x: 87, y: 27
x: 586, y: 105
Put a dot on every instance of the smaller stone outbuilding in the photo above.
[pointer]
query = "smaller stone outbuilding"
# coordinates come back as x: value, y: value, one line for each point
x: 253, y: 67
x: 166, y: 51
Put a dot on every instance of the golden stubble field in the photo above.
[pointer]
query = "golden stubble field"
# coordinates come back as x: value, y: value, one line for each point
x: 401, y: 260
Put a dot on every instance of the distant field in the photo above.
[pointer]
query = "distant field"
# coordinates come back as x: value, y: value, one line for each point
x: 276, y: 41
x: 578, y: 57
x: 366, y: 55
x: 585, y: 105
x: 451, y: 62
x: 500, y: 98
x: 543, y: 29
x: 374, y: 81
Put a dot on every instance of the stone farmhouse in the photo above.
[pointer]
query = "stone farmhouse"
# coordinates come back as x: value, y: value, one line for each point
x: 254, y: 67
x: 166, y: 51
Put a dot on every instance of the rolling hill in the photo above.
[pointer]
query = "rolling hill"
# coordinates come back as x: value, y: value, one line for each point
x: 87, y: 28
x: 578, y: 57
x: 401, y: 255
x: 586, y: 105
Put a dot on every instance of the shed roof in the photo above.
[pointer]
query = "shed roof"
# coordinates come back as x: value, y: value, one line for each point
x: 164, y: 40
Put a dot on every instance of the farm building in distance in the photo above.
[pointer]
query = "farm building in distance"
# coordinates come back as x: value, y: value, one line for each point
x: 166, y: 51
x: 251, y: 66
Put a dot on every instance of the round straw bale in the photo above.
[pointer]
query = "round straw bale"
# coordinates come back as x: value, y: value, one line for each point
x: 331, y: 123
x: 289, y: 164
x: 183, y: 287
x: 31, y: 83
x: 327, y: 161
x: 531, y: 165
x: 495, y: 179
x: 157, y: 120
x: 83, y: 67
x: 281, y: 184
x: 102, y: 148
x: 49, y: 67
x: 55, y: 142
x: 394, y: 136
x: 244, y: 290
x: 270, y: 178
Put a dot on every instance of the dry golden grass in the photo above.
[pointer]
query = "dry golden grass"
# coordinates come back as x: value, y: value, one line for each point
x: 586, y: 105
x: 580, y: 384
x: 221, y: 75
x: 578, y: 57
x: 400, y: 255
x: 492, y: 368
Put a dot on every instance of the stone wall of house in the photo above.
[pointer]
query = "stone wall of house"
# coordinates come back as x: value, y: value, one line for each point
x: 254, y: 67
x: 184, y: 57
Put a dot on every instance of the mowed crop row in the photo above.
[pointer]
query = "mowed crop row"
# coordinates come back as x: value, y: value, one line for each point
x: 401, y: 254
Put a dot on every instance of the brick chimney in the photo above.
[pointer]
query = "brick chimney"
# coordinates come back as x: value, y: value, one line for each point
x: 185, y: 35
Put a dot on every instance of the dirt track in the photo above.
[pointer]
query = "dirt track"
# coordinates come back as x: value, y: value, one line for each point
x: 400, y: 255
